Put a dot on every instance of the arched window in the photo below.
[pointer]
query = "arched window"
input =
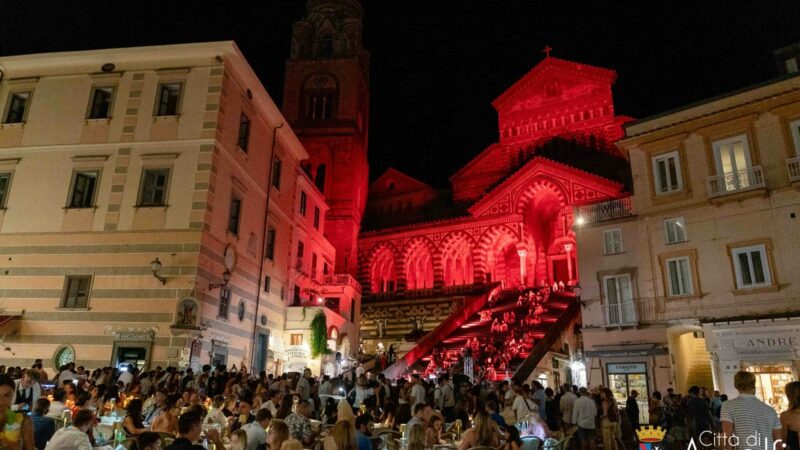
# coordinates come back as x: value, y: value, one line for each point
x: 325, y: 46
x: 321, y: 94
x: 419, y: 267
x: 383, y: 272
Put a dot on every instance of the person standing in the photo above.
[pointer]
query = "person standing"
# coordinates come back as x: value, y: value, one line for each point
x: 746, y: 416
x: 584, y: 412
x: 697, y: 409
x: 565, y: 404
x: 632, y: 409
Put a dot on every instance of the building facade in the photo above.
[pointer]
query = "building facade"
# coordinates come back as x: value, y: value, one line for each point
x: 693, y: 278
x: 133, y: 208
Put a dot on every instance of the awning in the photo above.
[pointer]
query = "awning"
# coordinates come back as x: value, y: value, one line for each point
x: 8, y: 316
x: 627, y: 350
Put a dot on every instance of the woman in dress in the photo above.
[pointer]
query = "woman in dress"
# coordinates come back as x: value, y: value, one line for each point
x: 790, y: 419
x: 433, y: 434
x: 16, y: 428
x: 132, y: 423
x: 483, y: 434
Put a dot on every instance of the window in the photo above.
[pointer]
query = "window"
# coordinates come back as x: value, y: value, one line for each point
x: 795, y: 128
x: 790, y: 65
x: 297, y: 339
x: 100, y: 105
x: 667, y: 173
x: 320, y: 106
x: 244, y: 132
x: 267, y: 283
x: 224, y: 302
x: 313, y: 265
x: 325, y: 268
x: 732, y: 157
x: 303, y: 201
x: 153, y: 191
x: 675, y: 230
x: 76, y: 291
x: 5, y: 184
x: 233, y: 217
x: 276, y: 173
x: 17, y: 107
x: 168, y: 100
x: 270, y: 253
x: 679, y: 277
x: 619, y: 300
x: 752, y: 267
x: 300, y: 249
x: 316, y: 218
x: 84, y: 186
x: 612, y: 241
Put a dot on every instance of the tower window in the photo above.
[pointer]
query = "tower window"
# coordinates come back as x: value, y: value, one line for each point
x: 320, y: 93
x: 326, y: 46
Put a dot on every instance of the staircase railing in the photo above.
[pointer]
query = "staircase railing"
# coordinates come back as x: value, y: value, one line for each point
x: 546, y: 343
x: 437, y: 335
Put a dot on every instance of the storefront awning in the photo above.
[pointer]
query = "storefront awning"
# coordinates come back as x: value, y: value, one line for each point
x: 626, y: 350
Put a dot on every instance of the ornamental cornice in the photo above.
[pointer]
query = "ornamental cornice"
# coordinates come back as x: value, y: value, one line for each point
x: 473, y: 227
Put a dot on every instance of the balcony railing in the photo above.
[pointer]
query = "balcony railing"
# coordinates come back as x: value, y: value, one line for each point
x: 341, y: 279
x: 608, y: 210
x: 738, y: 181
x: 643, y: 310
x: 793, y: 165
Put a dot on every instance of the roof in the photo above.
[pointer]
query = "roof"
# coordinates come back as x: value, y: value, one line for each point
x: 555, y: 65
x: 403, y: 183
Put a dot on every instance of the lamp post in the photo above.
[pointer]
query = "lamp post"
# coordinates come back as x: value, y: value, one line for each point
x: 155, y: 266
x: 226, y: 277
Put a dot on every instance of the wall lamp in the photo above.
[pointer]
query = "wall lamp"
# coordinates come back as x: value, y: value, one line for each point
x: 155, y: 265
x: 226, y: 277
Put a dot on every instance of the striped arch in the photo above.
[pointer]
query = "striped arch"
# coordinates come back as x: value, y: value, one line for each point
x: 421, y: 267
x: 383, y: 268
x: 537, y: 185
x: 457, y: 251
x: 492, y: 257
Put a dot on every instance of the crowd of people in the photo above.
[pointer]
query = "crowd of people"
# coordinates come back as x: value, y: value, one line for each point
x: 234, y: 409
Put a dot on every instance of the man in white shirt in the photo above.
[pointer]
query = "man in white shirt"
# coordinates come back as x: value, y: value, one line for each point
x: 67, y: 374
x: 256, y: 436
x: 749, y: 418
x: 417, y: 391
x: 272, y: 404
x: 524, y: 406
x: 565, y: 404
x: 27, y: 391
x: 126, y: 376
x: 325, y: 387
x: 74, y: 437
x: 584, y: 414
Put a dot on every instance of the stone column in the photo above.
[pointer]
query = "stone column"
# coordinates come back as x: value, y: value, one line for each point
x: 714, y: 357
x: 568, y: 248
x: 522, y: 267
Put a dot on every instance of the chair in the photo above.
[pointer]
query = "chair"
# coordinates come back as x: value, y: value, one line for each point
x: 530, y: 443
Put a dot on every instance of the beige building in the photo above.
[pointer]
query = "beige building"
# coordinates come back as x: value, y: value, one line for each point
x: 315, y: 288
x: 695, y: 276
x: 111, y: 160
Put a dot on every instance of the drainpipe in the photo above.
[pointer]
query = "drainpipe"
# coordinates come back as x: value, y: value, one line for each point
x: 264, y: 223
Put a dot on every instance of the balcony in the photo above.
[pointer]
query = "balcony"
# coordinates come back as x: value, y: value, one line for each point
x: 630, y: 314
x: 734, y: 182
x: 619, y: 208
x: 793, y: 165
x: 341, y: 279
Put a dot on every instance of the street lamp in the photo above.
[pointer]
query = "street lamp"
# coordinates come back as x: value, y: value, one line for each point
x: 226, y: 277
x: 155, y: 265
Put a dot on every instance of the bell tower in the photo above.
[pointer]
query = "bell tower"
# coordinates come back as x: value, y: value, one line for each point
x: 326, y: 100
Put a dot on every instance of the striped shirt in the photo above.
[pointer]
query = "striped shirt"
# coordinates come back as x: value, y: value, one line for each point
x: 753, y: 421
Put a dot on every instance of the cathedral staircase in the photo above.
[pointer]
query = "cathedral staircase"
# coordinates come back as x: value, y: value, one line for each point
x: 449, y: 338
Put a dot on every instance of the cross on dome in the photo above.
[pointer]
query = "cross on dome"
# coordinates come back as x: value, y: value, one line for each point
x: 547, y: 49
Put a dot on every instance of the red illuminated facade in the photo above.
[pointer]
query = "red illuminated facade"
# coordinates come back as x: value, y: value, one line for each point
x: 326, y: 100
x: 508, y: 216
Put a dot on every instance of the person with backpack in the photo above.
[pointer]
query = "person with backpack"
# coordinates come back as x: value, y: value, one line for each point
x: 609, y: 419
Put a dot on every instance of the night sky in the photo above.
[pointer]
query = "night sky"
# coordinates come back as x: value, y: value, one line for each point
x: 437, y: 64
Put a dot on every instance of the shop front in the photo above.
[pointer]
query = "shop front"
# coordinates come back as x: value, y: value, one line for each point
x: 770, y: 348
x: 641, y: 368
